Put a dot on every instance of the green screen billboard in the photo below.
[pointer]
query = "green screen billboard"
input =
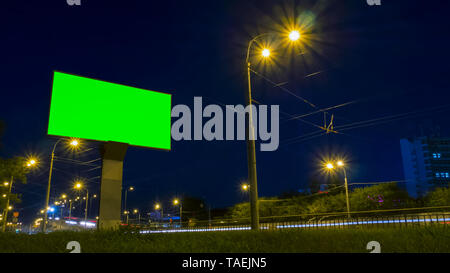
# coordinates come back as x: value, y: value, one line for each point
x: 96, y: 110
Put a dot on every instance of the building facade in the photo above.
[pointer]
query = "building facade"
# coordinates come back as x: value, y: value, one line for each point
x: 426, y: 164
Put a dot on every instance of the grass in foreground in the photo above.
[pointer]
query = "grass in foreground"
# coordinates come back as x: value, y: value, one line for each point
x: 415, y: 240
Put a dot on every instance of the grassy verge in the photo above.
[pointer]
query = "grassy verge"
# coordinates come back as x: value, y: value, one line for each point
x: 417, y: 240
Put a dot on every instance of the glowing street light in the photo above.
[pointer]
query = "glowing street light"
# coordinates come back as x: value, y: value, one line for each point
x: 136, y: 211
x: 159, y: 207
x: 294, y: 35
x: 245, y: 187
x: 74, y: 143
x: 341, y: 164
x: 176, y: 202
x: 265, y: 53
x: 78, y: 186
x: 130, y: 188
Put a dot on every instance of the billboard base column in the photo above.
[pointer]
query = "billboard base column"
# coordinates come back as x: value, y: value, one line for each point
x: 113, y: 154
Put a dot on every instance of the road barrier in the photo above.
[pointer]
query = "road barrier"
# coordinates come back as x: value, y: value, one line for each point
x: 388, y: 221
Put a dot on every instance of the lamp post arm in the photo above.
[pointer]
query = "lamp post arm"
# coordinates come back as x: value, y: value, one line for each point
x: 253, y: 40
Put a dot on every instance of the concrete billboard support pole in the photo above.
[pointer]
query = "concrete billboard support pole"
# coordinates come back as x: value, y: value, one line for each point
x: 113, y: 154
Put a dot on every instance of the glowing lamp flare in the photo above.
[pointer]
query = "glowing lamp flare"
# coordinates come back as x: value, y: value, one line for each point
x: 294, y: 35
x: 266, y: 53
x: 329, y: 166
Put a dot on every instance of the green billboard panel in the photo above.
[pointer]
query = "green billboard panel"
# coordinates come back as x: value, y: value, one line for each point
x: 96, y: 110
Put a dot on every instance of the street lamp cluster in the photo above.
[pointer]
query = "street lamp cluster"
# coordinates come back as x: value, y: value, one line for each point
x: 64, y: 199
x: 175, y: 202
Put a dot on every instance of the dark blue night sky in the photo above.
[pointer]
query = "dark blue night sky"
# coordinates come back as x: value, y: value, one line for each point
x: 389, y: 59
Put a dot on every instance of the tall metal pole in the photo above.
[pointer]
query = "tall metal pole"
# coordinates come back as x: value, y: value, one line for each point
x: 181, y: 213
x: 346, y: 193
x: 86, y: 211
x: 70, y: 209
x: 251, y: 159
x: 251, y: 153
x: 44, y: 226
x: 125, y: 203
x: 7, y: 205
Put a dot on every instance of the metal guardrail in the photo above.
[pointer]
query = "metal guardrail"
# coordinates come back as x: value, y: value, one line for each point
x: 398, y: 221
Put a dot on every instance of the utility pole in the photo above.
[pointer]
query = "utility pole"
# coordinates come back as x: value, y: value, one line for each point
x: 47, y: 198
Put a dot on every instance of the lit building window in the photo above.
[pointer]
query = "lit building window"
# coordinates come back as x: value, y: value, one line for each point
x: 438, y: 175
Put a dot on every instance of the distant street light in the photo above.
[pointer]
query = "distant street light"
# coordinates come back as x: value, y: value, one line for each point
x: 79, y: 186
x: 126, y: 213
x: 70, y: 209
x: 341, y: 164
x: 176, y: 202
x: 136, y: 211
x: 159, y: 207
x: 131, y: 188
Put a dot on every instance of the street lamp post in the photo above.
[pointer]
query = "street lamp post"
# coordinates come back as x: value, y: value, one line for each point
x: 136, y: 211
x: 79, y: 186
x: 177, y: 202
x: 74, y: 143
x: 86, y: 210
x: 70, y: 209
x: 340, y: 163
x: 157, y: 207
x: 250, y: 133
x: 125, y: 201
x: 126, y: 213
